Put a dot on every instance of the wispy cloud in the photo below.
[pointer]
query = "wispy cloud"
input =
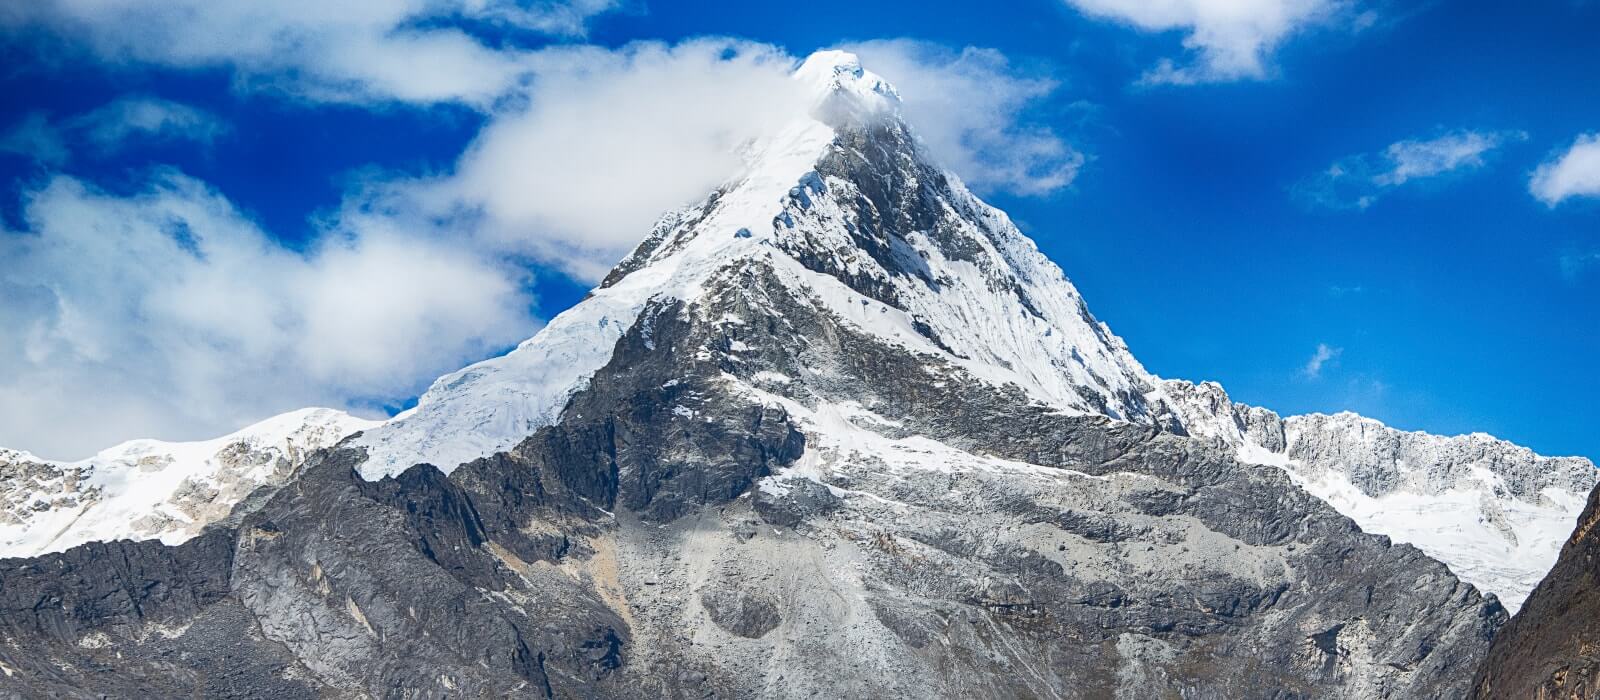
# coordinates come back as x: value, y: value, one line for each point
x: 968, y: 107
x: 1575, y: 265
x: 402, y: 51
x: 1573, y: 173
x: 35, y: 138
x: 1229, y: 39
x: 111, y: 128
x: 1359, y: 181
x: 1323, y: 355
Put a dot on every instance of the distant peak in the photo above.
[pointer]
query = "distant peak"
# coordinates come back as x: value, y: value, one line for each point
x: 845, y: 92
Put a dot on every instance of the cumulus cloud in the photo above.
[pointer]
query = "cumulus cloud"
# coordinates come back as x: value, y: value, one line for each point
x: 1229, y: 39
x: 1573, y: 173
x: 1359, y: 181
x: 392, y: 50
x: 169, y: 313
x: 968, y: 107
x: 1323, y: 355
x: 111, y: 128
x: 607, y: 140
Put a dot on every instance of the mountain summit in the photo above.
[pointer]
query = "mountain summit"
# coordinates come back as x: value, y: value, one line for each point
x: 843, y: 204
x: 839, y: 429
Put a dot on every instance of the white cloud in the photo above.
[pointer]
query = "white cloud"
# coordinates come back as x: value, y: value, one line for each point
x: 1323, y: 355
x: 607, y: 140
x: 364, y: 50
x: 1359, y: 181
x: 1230, y: 39
x: 1574, y: 173
x: 1414, y: 159
x: 111, y: 128
x: 168, y: 313
x: 967, y: 107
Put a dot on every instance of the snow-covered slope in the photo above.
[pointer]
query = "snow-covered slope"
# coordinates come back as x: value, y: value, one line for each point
x: 1495, y: 512
x: 965, y: 284
x: 148, y: 489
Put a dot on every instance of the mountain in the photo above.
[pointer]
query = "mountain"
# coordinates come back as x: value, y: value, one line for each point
x: 1552, y: 648
x: 1495, y: 512
x: 964, y: 284
x: 839, y: 429
x: 961, y: 283
x: 148, y: 489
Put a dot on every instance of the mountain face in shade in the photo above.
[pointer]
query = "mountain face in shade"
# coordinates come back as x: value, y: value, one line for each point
x: 1551, y: 649
x: 837, y: 430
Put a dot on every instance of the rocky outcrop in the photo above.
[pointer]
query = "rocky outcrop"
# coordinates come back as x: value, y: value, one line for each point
x: 1551, y: 649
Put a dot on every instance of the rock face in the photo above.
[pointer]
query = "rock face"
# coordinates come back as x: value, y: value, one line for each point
x: 837, y: 431
x: 1551, y: 649
x: 1495, y: 512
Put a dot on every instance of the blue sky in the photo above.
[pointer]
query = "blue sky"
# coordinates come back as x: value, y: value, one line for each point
x: 1238, y: 192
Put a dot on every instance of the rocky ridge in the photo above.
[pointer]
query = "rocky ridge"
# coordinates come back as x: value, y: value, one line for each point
x: 1495, y: 512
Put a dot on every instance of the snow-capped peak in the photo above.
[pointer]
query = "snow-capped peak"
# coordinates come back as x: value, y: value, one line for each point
x: 843, y: 207
x: 843, y: 203
x: 150, y: 489
x: 843, y: 90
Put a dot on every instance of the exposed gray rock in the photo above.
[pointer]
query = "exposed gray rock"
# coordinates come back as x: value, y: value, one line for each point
x: 790, y: 502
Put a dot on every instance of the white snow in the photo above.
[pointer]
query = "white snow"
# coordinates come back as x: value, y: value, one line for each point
x: 1453, y: 528
x: 131, y: 491
x: 774, y: 377
x: 1052, y: 350
x: 490, y: 406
